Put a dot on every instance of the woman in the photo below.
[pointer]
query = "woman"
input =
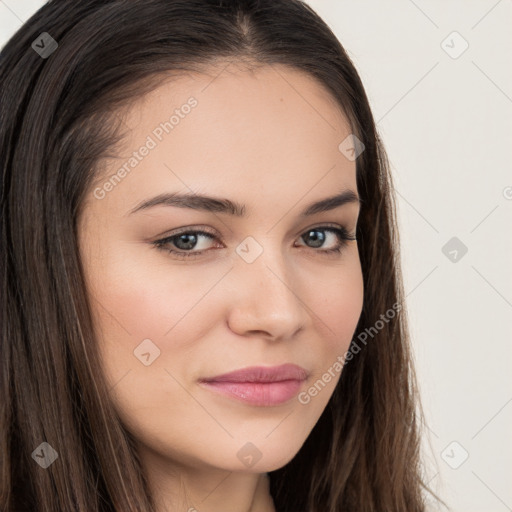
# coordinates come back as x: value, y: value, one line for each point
x: 201, y: 296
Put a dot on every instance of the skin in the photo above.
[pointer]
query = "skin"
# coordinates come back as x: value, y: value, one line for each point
x: 267, y: 139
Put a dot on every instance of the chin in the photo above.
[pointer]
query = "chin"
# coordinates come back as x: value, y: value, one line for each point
x: 252, y: 457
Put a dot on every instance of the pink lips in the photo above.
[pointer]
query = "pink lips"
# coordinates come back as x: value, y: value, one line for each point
x: 260, y: 385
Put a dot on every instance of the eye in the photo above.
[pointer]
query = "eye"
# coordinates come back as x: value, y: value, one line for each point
x: 184, y: 241
x: 188, y: 240
x: 341, y: 237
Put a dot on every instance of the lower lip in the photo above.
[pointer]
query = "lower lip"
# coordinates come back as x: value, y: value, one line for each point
x: 258, y: 393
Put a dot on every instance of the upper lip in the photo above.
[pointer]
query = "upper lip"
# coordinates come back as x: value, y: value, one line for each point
x: 262, y: 374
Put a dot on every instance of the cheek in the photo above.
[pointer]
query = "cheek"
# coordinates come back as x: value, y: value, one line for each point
x: 339, y: 307
x: 145, y: 297
x: 133, y: 302
x: 144, y: 309
x: 337, y: 311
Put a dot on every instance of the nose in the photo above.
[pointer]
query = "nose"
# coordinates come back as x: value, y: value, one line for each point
x: 267, y: 300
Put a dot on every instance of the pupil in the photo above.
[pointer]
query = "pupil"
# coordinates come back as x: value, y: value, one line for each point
x: 317, y: 240
x: 190, y: 244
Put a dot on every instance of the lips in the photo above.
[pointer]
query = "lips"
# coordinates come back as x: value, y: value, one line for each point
x: 259, y: 385
x: 262, y: 374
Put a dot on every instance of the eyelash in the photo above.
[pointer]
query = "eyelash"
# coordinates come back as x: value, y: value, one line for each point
x: 343, y: 238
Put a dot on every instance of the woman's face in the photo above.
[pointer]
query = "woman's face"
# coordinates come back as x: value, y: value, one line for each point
x: 259, y: 289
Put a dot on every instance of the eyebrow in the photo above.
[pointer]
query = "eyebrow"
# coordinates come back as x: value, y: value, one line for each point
x: 226, y: 206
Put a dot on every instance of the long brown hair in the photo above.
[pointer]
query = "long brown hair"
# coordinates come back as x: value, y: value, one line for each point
x: 57, y: 121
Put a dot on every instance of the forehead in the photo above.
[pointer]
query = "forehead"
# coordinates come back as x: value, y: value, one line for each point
x: 273, y: 131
